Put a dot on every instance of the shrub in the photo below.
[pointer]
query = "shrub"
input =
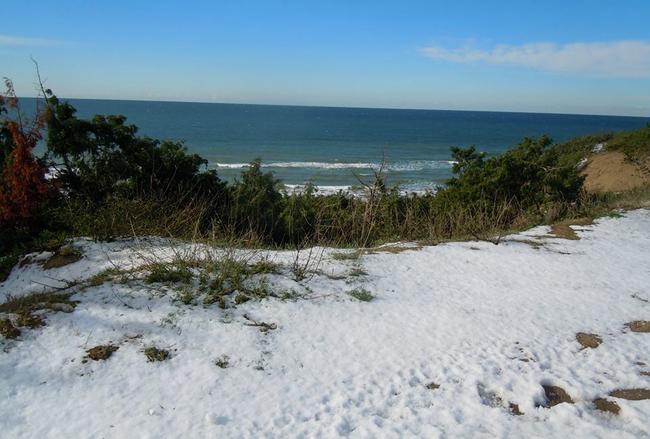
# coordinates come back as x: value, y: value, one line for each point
x: 529, y: 175
x: 102, y: 156
x: 257, y: 204
x: 23, y: 188
x: 115, y: 182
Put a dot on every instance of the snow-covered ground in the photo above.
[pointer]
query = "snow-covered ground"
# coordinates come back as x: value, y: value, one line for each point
x: 489, y: 324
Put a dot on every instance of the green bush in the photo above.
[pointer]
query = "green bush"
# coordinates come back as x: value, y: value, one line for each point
x: 115, y: 183
x: 257, y: 204
x: 103, y: 156
x: 529, y: 175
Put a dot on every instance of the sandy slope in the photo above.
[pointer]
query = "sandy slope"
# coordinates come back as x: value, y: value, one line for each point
x: 612, y: 172
x: 488, y: 324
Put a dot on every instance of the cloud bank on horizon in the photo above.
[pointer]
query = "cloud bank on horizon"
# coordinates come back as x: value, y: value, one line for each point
x: 616, y: 59
x: 13, y: 40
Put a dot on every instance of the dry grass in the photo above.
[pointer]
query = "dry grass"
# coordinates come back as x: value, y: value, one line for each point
x: 34, y: 302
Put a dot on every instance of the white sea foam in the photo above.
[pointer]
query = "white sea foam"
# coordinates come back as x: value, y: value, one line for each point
x: 412, y: 165
x: 323, y: 190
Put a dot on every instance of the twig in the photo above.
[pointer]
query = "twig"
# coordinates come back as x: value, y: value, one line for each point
x: 264, y: 327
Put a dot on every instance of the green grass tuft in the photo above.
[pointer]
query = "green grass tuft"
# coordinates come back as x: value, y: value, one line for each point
x: 169, y: 273
x: 361, y: 294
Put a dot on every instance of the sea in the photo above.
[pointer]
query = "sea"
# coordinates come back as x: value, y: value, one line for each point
x: 337, y: 148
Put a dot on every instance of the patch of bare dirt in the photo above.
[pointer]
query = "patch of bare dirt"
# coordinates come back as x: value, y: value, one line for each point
x: 586, y: 340
x: 639, y: 326
x: 611, y: 172
x: 102, y: 352
x: 605, y: 405
x: 631, y: 394
x: 64, y: 256
x: 563, y: 229
x: 395, y: 249
x: 556, y: 395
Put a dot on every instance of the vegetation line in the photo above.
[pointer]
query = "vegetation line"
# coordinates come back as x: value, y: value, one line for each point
x: 99, y: 178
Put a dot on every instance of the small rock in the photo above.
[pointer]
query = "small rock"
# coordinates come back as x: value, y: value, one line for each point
x: 556, y: 395
x: 212, y: 418
x: 514, y: 409
x: 223, y: 361
x: 631, y: 394
x: 63, y: 307
x: 605, y: 405
x: 432, y: 386
x: 639, y: 326
x: 588, y: 340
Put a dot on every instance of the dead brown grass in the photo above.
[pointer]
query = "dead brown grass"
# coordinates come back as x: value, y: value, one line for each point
x: 631, y: 394
x: 102, y: 352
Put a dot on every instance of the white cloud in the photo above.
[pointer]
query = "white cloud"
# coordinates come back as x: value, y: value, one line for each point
x: 10, y: 40
x: 630, y: 59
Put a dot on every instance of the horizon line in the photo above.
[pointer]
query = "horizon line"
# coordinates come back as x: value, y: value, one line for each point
x: 338, y: 106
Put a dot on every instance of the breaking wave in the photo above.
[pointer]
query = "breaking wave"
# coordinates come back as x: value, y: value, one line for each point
x: 412, y: 165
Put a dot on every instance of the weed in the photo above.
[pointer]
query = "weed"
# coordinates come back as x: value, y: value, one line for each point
x: 8, y: 330
x: 361, y: 294
x: 264, y: 266
x: 301, y: 267
x: 34, y: 302
x: 357, y: 271
x: 103, y: 276
x: 170, y: 273
x: 345, y: 256
x: 154, y: 354
x: 259, y: 290
x: 223, y: 361
x: 186, y: 296
x: 231, y: 273
x: 241, y: 298
x: 289, y: 295
x: 29, y: 320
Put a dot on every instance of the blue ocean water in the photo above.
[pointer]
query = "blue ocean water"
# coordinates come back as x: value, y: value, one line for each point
x: 333, y: 147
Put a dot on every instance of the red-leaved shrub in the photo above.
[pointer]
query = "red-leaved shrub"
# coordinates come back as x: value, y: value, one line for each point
x: 22, y: 181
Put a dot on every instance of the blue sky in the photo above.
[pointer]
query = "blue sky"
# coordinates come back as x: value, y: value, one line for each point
x: 548, y: 56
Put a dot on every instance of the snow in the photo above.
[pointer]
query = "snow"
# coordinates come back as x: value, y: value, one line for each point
x: 599, y: 147
x: 488, y: 323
